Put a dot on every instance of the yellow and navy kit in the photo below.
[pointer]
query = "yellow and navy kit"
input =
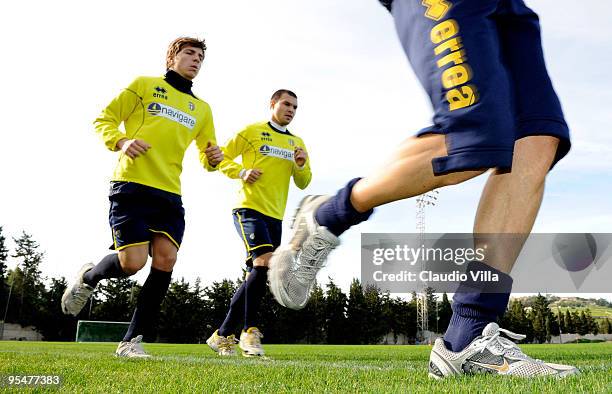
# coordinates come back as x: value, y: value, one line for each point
x: 270, y: 150
x: 153, y: 110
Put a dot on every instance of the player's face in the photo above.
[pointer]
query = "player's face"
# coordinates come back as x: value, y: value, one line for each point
x: 188, y: 62
x: 283, y: 109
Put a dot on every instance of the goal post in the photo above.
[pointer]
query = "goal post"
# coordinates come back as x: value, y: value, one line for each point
x: 100, y: 331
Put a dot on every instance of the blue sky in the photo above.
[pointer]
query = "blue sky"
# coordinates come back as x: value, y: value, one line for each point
x: 358, y: 99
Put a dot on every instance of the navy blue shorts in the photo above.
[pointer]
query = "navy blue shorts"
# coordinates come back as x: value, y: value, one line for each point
x: 482, y: 65
x: 261, y: 234
x: 137, y: 212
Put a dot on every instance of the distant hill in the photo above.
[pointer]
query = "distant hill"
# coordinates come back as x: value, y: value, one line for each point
x: 600, y: 308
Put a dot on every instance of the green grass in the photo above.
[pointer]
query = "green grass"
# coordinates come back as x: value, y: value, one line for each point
x: 290, y: 368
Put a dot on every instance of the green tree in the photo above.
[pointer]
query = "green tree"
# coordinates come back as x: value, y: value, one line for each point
x: 444, y: 313
x: 3, y: 273
x: 53, y: 324
x: 218, y: 297
x: 583, y: 326
x: 314, y: 317
x: 335, y: 314
x: 590, y: 323
x: 570, y: 325
x: 181, y: 314
x: 115, y: 300
x: 27, y: 282
x: 375, y: 327
x: 356, y: 311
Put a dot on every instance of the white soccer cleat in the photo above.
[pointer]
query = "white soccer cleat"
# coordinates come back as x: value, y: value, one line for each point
x: 294, y: 267
x: 75, y: 297
x: 132, y: 349
x: 492, y: 354
x: 223, y: 346
x: 250, y: 342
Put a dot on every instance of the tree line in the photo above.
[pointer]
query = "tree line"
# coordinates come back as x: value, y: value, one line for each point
x: 191, y: 312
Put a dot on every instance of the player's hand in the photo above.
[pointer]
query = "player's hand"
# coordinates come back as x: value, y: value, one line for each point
x: 299, y: 155
x: 213, y: 154
x: 133, y: 148
x: 252, y: 175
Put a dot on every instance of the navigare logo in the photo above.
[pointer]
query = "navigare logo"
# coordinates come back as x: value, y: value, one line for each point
x: 273, y: 151
x: 173, y: 114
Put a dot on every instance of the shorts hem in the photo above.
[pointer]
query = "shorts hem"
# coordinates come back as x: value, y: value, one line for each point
x: 178, y: 245
x: 472, y: 160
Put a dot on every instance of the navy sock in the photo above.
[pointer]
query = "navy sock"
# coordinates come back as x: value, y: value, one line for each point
x: 235, y: 313
x: 108, y: 267
x: 474, y: 306
x: 144, y: 320
x: 338, y: 214
x: 254, y: 291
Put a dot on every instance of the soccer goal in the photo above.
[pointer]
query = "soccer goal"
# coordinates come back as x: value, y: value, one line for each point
x: 100, y: 331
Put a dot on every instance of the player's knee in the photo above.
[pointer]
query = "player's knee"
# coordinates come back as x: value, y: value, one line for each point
x: 131, y: 264
x: 534, y: 157
x: 164, y: 262
x: 263, y: 260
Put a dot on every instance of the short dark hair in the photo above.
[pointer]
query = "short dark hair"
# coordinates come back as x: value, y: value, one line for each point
x: 278, y: 94
x: 180, y: 43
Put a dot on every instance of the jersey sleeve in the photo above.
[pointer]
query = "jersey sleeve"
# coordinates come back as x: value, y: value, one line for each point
x: 234, y: 148
x: 302, y: 176
x: 119, y: 110
x: 206, y: 135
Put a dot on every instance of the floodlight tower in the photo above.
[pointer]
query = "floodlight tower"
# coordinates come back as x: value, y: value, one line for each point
x: 422, y: 201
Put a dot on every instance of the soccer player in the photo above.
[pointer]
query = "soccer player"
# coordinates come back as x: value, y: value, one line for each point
x: 271, y: 155
x: 162, y: 116
x: 482, y: 65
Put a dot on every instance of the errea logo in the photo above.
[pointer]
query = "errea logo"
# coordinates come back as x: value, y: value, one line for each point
x: 273, y: 151
x: 160, y: 93
x: 172, y: 114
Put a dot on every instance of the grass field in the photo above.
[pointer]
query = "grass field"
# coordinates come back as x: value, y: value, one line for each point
x: 290, y: 368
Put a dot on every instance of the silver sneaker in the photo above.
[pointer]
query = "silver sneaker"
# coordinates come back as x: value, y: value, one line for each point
x: 491, y: 354
x: 132, y: 349
x: 224, y: 346
x: 294, y: 267
x: 75, y: 297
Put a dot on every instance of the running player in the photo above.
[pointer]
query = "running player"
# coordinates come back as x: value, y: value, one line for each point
x: 271, y: 155
x: 482, y: 65
x: 162, y: 116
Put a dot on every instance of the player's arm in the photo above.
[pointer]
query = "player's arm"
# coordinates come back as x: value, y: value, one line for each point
x: 119, y: 110
x: 210, y: 154
x: 234, y: 148
x: 301, y: 167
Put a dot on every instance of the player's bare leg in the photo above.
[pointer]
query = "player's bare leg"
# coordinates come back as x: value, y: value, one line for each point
x: 407, y: 173
x: 126, y: 262
x: 151, y: 295
x: 510, y: 201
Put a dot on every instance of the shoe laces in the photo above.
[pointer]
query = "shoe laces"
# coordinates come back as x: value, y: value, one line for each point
x: 135, y: 345
x: 82, y: 292
x: 312, y: 258
x: 227, y: 343
x: 507, y: 346
x: 253, y: 337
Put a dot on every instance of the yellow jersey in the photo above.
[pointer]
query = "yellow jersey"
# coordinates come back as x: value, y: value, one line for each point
x: 265, y: 148
x: 168, y: 119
